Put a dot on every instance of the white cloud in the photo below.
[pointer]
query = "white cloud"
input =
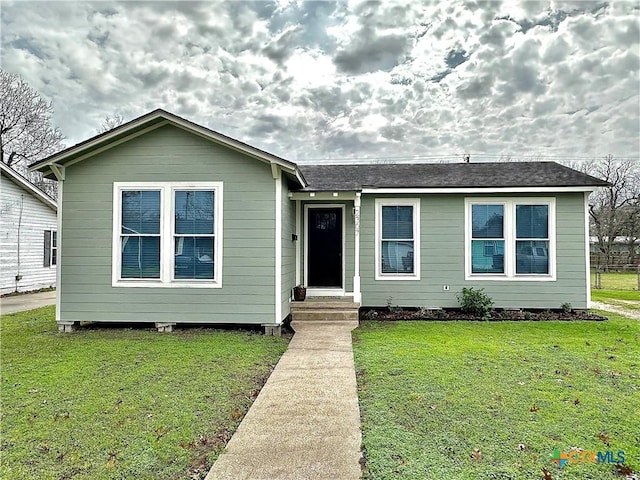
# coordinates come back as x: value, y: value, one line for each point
x: 340, y: 80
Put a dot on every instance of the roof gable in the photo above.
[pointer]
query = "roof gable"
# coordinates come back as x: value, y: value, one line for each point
x: 151, y: 121
x: 26, y: 184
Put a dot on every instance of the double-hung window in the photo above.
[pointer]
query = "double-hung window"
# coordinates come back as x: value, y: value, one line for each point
x: 512, y: 239
x: 397, y: 239
x: 167, y: 234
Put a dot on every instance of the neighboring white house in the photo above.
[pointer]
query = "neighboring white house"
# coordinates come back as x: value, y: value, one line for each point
x: 28, y: 237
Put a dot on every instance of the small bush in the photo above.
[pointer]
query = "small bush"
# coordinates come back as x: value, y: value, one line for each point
x: 475, y: 302
x: 566, y: 307
x: 391, y: 307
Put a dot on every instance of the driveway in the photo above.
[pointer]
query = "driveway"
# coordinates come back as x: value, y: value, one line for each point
x: 627, y: 312
x: 27, y: 301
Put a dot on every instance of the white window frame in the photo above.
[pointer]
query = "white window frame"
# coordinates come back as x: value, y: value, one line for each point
x: 53, y: 249
x: 402, y: 202
x: 50, y: 251
x: 167, y: 222
x: 510, y: 239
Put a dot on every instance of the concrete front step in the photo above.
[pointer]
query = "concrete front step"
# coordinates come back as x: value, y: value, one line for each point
x: 320, y: 309
x: 331, y: 305
x: 322, y: 315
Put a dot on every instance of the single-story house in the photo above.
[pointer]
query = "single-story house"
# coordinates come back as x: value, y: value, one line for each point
x: 165, y: 221
x: 28, y: 238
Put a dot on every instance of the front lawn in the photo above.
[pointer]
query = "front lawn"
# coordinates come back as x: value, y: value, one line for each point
x: 115, y: 403
x: 493, y: 400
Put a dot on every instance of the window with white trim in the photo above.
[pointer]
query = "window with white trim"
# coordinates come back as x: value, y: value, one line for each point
x: 510, y: 239
x: 397, y: 239
x: 50, y: 248
x: 167, y: 234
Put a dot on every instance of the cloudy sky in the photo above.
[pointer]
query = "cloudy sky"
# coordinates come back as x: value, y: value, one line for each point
x: 346, y: 80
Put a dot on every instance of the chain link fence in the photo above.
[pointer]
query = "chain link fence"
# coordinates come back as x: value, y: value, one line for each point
x: 616, y: 277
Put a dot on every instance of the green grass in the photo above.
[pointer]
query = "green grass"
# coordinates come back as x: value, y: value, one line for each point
x: 116, y: 403
x: 616, y: 281
x: 432, y: 392
x: 606, y: 295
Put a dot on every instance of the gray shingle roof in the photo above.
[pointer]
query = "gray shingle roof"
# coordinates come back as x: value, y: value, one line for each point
x: 444, y: 175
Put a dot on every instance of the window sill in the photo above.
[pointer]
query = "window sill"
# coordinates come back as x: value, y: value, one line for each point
x: 504, y: 278
x: 383, y: 277
x: 160, y: 284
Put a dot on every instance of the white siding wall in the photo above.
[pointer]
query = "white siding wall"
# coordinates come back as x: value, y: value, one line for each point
x: 36, y: 218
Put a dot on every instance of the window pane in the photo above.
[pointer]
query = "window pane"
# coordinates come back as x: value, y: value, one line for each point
x: 532, y: 221
x: 193, y: 257
x: 397, y: 222
x: 194, y: 211
x: 532, y: 256
x: 397, y: 257
x: 54, y: 238
x: 141, y: 212
x: 54, y: 256
x: 487, y: 221
x: 140, y: 257
x: 487, y: 256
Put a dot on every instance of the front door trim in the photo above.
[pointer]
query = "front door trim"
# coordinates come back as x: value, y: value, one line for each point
x: 340, y: 291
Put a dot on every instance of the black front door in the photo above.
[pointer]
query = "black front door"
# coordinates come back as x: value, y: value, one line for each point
x: 324, y: 255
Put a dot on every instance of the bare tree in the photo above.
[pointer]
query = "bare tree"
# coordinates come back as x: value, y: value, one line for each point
x: 26, y: 131
x: 615, y: 210
x: 110, y: 122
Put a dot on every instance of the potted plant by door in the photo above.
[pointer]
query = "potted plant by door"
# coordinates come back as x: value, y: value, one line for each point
x: 299, y: 293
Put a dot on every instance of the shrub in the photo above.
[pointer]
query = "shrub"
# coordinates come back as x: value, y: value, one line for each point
x: 566, y: 307
x: 475, y: 302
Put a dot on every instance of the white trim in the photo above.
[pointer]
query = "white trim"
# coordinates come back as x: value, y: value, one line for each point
x: 510, y: 239
x: 25, y: 184
x: 298, y: 236
x: 114, y: 143
x: 357, y: 294
x: 326, y: 292
x: 323, y: 196
x: 587, y: 247
x: 314, y: 291
x: 58, y: 171
x: 157, y: 119
x: 59, y: 253
x: 278, y: 242
x: 479, y: 190
x: 415, y: 203
x: 52, y: 248
x: 167, y: 259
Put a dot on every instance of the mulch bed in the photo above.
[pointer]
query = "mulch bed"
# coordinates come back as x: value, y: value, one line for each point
x: 397, y: 314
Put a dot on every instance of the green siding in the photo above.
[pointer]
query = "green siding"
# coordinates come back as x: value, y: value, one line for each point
x: 442, y: 260
x: 169, y: 154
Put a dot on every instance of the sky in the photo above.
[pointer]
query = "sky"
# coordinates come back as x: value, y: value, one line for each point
x: 348, y: 80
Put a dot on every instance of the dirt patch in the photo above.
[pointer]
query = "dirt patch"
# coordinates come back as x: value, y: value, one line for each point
x: 617, y: 309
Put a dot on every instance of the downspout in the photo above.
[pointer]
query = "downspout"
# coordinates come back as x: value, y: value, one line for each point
x: 19, y: 275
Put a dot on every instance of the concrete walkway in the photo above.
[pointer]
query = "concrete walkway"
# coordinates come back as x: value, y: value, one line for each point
x: 27, y: 301
x: 305, y: 424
